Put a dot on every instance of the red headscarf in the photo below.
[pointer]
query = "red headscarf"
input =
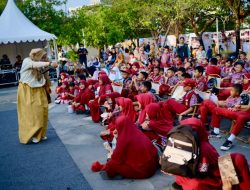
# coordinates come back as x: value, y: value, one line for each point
x: 106, y: 84
x: 197, y: 126
x: 208, y: 160
x: 158, y: 122
x: 127, y: 108
x: 134, y: 156
x: 144, y: 100
x: 208, y: 153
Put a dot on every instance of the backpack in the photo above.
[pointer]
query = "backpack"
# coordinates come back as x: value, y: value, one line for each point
x: 212, y: 82
x: 181, y: 155
x: 244, y: 99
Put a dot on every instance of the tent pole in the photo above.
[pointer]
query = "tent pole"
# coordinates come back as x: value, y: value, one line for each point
x: 56, y: 55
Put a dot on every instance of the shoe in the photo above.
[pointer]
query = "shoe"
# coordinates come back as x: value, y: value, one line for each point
x: 176, y: 186
x: 44, y: 138
x: 34, y: 140
x: 227, y: 145
x: 213, y: 134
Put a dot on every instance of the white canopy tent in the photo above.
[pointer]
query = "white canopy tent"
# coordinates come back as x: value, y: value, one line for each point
x: 18, y: 35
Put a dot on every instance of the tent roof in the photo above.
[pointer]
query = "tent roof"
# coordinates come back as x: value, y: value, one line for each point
x: 16, y: 28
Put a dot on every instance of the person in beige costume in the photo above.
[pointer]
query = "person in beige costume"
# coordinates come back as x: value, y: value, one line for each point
x: 32, y: 97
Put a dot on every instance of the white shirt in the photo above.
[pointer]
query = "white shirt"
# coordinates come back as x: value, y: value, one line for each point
x: 26, y: 73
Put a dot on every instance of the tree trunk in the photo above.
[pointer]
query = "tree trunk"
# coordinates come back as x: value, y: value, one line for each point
x: 237, y: 34
x: 200, y: 39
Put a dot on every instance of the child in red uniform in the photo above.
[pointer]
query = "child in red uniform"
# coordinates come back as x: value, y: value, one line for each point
x: 209, y: 106
x: 137, y: 81
x: 155, y: 125
x: 171, y: 79
x: 212, y: 68
x: 73, y: 91
x: 209, y: 174
x: 126, y: 108
x: 236, y: 77
x: 185, y: 106
x: 142, y: 101
x: 155, y: 76
x: 227, y: 69
x: 239, y: 113
x: 103, y: 89
x: 201, y: 82
x: 62, y: 92
x: 134, y: 156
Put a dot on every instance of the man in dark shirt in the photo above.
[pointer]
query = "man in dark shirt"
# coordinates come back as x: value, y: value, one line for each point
x: 183, y: 49
x: 19, y: 62
x: 5, y: 60
x: 82, y: 53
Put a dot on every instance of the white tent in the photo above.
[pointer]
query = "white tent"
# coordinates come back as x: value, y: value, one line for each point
x: 18, y: 35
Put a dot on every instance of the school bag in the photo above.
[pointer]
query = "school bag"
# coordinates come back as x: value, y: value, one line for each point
x: 212, y: 82
x: 181, y: 155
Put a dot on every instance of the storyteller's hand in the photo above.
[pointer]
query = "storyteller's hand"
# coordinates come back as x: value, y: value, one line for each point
x: 54, y: 64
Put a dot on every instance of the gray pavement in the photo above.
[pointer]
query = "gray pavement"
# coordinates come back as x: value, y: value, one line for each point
x: 81, y: 139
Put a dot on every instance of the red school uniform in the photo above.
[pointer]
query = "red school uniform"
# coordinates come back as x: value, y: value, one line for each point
x: 213, y: 70
x: 208, y: 162
x: 208, y: 107
x: 134, y: 157
x: 201, y: 83
x: 173, y: 107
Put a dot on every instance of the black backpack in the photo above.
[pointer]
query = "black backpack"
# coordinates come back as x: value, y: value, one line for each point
x: 181, y: 155
x: 212, y: 82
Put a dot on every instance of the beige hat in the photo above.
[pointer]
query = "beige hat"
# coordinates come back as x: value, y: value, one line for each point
x: 37, y: 54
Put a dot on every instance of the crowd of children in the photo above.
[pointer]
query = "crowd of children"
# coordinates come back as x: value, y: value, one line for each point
x: 141, y: 95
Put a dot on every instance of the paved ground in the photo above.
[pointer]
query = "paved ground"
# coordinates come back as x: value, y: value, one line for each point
x: 81, y: 139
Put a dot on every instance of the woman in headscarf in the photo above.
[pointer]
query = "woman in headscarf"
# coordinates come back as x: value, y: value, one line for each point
x: 155, y: 125
x: 125, y: 108
x: 134, y: 156
x: 142, y: 101
x: 103, y: 89
x: 32, y: 97
x: 209, y: 174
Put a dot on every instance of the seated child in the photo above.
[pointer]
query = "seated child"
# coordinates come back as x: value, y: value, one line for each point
x: 62, y: 92
x: 134, y: 156
x: 155, y: 76
x: 155, y: 125
x: 201, y: 82
x: 236, y: 77
x: 208, y: 177
x: 185, y: 106
x: 208, y: 107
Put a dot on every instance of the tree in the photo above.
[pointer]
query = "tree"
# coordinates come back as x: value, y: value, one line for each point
x: 240, y: 10
x: 200, y: 15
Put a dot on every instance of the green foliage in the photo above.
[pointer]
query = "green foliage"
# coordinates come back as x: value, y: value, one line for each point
x: 72, y: 55
x: 116, y: 20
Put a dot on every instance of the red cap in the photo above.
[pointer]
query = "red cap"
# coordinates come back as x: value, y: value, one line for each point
x: 126, y: 70
x: 189, y: 82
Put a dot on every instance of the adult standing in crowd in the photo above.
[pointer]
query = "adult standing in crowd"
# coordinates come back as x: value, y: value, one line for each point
x: 200, y: 54
x: 183, y: 49
x: 82, y: 53
x: 19, y: 62
x: 32, y: 97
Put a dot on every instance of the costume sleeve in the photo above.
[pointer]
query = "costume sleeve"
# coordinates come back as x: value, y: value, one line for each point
x: 193, y: 100
x: 39, y: 64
